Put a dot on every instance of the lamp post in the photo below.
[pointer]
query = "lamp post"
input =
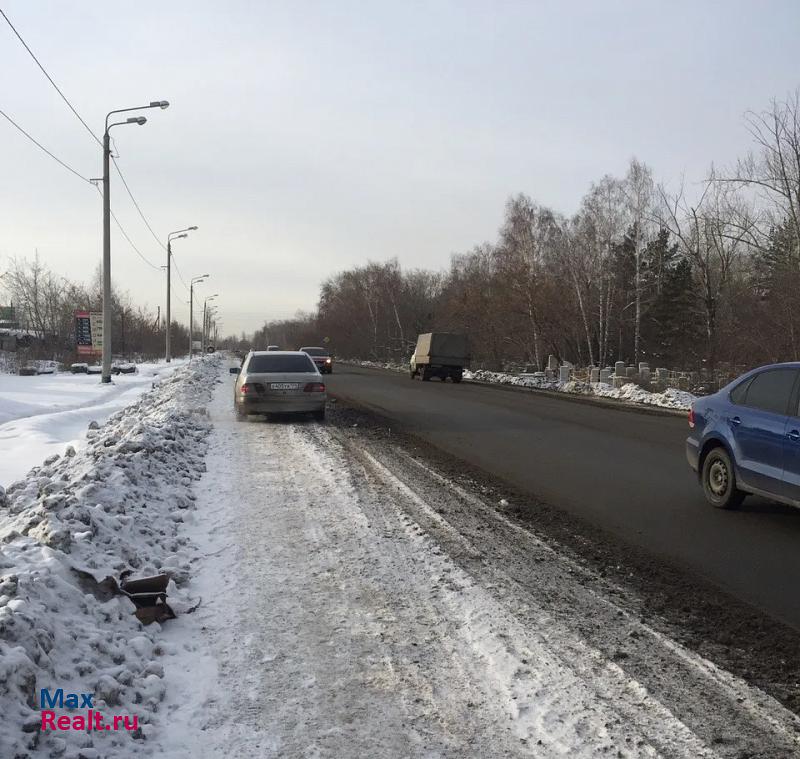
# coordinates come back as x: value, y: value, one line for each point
x: 212, y: 312
x: 170, y: 237
x: 106, y: 361
x: 192, y: 283
x: 205, y: 304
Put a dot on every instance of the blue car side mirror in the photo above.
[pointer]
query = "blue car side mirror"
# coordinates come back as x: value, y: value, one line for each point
x: 234, y: 370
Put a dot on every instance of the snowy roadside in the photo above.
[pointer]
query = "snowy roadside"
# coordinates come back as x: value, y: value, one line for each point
x: 41, y: 415
x: 113, y: 506
x: 630, y: 393
x: 357, y: 603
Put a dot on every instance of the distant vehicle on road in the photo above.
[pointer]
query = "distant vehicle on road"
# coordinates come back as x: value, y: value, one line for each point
x: 273, y: 347
x: 322, y: 358
x: 440, y: 354
x: 745, y: 439
x: 278, y: 382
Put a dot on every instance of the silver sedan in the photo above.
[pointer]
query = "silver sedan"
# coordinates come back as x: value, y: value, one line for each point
x: 278, y: 382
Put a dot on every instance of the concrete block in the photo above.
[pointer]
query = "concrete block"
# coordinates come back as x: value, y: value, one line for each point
x: 564, y: 373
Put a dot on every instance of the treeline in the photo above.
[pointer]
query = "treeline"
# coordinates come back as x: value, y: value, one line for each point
x: 45, y: 305
x: 639, y: 273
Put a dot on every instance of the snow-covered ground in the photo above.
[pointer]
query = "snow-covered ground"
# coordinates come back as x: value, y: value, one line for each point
x: 670, y: 398
x: 337, y: 597
x: 358, y: 604
x: 41, y: 415
x: 113, y: 506
x: 628, y: 393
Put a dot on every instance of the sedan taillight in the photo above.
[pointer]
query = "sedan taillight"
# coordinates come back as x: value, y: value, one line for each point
x: 691, y: 417
x: 314, y: 387
x: 251, y: 388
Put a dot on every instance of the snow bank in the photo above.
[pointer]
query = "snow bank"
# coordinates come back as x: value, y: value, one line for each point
x: 114, y: 506
x: 394, y: 366
x: 628, y: 393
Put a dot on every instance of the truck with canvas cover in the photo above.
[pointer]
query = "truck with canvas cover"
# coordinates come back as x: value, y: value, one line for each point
x: 440, y: 354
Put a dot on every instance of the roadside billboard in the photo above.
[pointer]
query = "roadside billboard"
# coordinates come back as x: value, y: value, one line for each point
x: 89, y: 332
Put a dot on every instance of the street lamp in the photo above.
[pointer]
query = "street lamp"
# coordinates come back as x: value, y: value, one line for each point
x: 170, y: 237
x: 192, y: 283
x: 205, y: 302
x: 212, y: 311
x: 140, y: 120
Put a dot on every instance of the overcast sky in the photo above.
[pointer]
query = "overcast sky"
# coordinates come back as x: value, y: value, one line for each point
x: 307, y: 137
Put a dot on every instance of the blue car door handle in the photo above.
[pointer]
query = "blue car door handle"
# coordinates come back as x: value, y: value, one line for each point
x: 794, y: 435
x: 735, y: 420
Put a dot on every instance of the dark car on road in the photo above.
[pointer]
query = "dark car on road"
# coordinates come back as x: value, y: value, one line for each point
x: 745, y: 439
x: 322, y: 358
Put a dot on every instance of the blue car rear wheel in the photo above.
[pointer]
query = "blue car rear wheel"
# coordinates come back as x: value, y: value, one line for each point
x: 719, y: 480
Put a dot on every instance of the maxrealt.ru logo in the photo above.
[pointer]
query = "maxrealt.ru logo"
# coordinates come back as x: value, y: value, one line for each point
x: 86, y: 721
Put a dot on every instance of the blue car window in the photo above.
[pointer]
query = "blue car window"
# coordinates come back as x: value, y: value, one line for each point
x: 739, y: 393
x: 771, y: 390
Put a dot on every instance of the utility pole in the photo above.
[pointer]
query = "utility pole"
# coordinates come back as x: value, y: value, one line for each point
x: 106, y: 358
x: 169, y: 316
x: 192, y: 283
x: 205, y: 316
x: 105, y: 377
x: 170, y: 237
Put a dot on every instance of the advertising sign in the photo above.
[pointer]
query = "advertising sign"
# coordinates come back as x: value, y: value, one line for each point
x: 89, y: 332
x: 97, y: 331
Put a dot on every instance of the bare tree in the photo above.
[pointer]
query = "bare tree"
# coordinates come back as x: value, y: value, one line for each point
x: 773, y: 172
x: 713, y: 234
x: 638, y: 190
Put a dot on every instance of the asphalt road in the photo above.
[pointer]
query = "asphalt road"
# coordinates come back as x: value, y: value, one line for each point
x: 622, y: 470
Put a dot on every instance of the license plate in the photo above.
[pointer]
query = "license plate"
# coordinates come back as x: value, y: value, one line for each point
x: 284, y: 386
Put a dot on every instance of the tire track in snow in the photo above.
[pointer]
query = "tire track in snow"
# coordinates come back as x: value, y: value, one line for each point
x: 549, y: 591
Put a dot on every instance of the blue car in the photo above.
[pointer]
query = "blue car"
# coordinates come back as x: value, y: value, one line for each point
x: 746, y: 438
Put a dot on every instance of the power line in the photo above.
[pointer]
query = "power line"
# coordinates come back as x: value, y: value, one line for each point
x: 86, y: 126
x: 50, y: 79
x: 130, y: 242
x: 178, y: 272
x: 141, y: 213
x: 42, y: 147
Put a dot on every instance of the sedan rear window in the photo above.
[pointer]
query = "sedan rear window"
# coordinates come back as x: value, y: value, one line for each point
x: 771, y: 390
x: 280, y: 364
x: 315, y: 351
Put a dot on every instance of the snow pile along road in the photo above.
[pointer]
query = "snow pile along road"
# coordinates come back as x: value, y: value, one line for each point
x: 629, y: 393
x: 113, y: 507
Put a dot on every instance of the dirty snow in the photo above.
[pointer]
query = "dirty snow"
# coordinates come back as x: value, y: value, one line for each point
x: 628, y: 393
x: 356, y: 606
x: 114, y: 505
x: 40, y: 416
